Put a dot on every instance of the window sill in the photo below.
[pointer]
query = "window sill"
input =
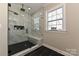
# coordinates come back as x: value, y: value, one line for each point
x: 56, y: 31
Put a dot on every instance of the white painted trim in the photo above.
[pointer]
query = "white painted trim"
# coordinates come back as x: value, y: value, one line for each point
x: 57, y: 50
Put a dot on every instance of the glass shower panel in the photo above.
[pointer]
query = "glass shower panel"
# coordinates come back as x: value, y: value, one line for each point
x: 21, y: 28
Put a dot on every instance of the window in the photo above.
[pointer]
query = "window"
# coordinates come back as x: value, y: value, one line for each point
x: 55, y: 19
x: 36, y: 23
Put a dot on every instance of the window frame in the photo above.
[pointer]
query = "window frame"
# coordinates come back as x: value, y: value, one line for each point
x: 63, y: 20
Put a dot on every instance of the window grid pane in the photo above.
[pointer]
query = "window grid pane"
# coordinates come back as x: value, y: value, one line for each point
x: 59, y: 16
x: 59, y: 27
x: 60, y: 11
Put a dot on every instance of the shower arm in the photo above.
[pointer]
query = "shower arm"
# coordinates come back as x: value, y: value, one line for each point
x: 22, y: 5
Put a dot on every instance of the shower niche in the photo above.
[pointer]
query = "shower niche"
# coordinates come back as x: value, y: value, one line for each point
x: 18, y: 27
x: 22, y: 37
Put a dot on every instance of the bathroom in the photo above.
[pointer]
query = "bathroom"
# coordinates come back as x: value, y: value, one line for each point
x: 39, y: 29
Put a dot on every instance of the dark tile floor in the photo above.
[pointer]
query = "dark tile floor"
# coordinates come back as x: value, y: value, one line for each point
x: 12, y: 49
x: 43, y: 51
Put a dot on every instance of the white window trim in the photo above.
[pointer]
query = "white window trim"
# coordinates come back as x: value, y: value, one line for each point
x: 64, y: 19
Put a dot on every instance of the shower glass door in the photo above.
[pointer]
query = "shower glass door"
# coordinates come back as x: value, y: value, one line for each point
x: 21, y: 28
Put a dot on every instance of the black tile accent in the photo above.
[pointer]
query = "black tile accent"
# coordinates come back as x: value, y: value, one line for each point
x: 12, y: 49
x: 43, y: 51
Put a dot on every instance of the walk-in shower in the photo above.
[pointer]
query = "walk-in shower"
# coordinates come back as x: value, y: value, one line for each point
x: 23, y: 37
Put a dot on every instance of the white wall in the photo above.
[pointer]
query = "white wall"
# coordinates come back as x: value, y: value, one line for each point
x: 23, y: 19
x: 65, y: 40
x: 3, y: 29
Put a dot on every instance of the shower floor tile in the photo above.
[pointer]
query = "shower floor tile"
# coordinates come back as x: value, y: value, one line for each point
x: 43, y: 51
x: 12, y: 49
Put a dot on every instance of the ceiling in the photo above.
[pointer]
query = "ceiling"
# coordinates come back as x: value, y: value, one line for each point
x: 35, y: 6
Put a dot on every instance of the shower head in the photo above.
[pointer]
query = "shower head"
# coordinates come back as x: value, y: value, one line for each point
x: 9, y: 4
x: 22, y: 9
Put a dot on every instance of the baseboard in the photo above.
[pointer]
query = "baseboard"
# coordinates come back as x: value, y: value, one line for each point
x: 57, y: 50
